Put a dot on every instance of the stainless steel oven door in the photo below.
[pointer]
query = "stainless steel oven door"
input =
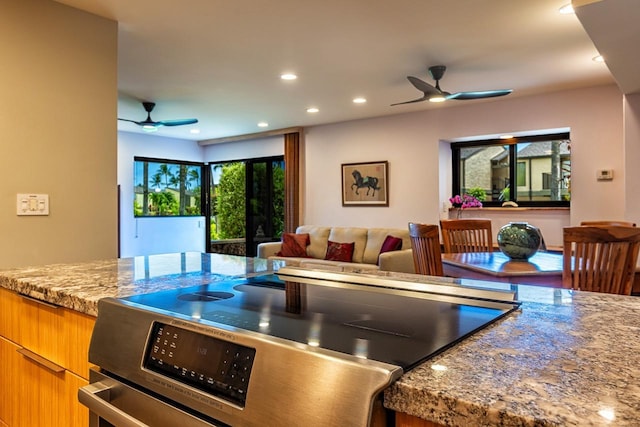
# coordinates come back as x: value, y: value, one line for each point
x: 114, y: 403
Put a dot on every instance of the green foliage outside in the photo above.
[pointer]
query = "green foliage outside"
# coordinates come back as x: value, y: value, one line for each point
x: 163, y: 203
x: 478, y: 193
x: 278, y: 202
x: 174, y: 189
x: 230, y: 202
x: 505, y: 194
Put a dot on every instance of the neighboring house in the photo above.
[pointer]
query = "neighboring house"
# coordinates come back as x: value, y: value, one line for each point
x: 477, y: 167
x: 536, y: 179
x: 487, y: 168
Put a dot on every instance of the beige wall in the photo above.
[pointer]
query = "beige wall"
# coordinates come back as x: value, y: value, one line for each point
x: 419, y: 160
x: 58, y: 104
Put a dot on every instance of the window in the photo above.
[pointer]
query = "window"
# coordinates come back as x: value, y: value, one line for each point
x: 540, y: 167
x: 166, y: 188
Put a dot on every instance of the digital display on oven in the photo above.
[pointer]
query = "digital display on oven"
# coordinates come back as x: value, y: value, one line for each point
x: 217, y: 367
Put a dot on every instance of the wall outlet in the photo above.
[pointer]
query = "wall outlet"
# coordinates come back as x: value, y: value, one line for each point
x: 32, y: 204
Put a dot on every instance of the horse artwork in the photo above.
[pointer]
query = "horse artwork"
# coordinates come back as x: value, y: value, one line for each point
x: 370, y: 182
x: 372, y: 176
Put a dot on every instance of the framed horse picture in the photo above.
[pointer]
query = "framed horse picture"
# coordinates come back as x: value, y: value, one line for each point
x: 365, y: 184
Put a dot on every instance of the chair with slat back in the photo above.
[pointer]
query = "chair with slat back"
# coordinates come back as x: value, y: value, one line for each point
x: 425, y: 242
x: 600, y: 258
x: 606, y: 223
x: 466, y: 235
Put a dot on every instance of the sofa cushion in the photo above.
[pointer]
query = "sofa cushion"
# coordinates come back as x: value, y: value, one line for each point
x: 339, y: 251
x: 391, y: 243
x: 356, y: 235
x: 294, y: 245
x: 318, y: 237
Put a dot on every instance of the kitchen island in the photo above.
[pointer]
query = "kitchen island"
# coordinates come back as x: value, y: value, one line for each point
x: 564, y: 358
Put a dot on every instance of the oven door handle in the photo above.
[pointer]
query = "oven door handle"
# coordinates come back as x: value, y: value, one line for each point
x: 95, y: 396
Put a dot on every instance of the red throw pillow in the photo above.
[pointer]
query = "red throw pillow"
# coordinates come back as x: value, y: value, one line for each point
x: 339, y: 251
x: 294, y: 245
x: 391, y: 244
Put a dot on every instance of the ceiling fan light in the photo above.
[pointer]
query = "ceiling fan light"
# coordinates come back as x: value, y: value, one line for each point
x: 149, y: 128
x: 437, y: 98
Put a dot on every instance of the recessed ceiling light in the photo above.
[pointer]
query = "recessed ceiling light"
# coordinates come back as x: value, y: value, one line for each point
x: 312, y: 110
x: 263, y: 124
x: 567, y: 9
x: 359, y: 100
x: 195, y: 131
x: 288, y: 76
x: 506, y: 136
x: 598, y: 58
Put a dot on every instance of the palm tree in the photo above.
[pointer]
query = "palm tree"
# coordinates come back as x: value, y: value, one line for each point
x: 165, y: 171
x: 156, y: 180
x: 193, y: 176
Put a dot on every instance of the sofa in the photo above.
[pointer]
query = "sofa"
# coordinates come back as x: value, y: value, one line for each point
x: 317, y: 243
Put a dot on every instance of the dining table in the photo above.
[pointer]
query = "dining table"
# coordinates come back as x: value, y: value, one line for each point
x: 543, y: 268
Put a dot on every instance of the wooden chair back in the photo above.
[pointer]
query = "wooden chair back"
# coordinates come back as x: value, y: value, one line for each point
x: 425, y: 242
x: 466, y: 235
x: 600, y: 259
x: 606, y: 223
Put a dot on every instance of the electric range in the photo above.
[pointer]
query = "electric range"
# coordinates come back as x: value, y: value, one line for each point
x: 300, y: 347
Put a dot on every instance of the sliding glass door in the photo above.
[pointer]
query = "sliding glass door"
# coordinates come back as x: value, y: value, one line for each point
x: 247, y: 204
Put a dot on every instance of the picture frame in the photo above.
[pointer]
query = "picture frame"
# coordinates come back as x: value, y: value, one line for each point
x: 365, y: 184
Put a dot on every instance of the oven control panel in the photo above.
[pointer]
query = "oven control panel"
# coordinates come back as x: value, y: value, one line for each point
x: 214, y: 366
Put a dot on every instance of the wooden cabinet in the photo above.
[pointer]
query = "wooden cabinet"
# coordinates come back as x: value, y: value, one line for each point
x: 405, y: 420
x: 43, y: 350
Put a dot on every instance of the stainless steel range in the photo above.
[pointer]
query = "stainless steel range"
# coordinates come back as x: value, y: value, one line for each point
x: 301, y: 347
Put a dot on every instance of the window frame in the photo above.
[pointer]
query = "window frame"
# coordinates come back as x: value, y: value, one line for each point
x: 203, y: 183
x: 513, y: 161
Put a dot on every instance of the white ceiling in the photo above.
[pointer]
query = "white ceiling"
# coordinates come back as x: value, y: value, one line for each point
x: 220, y: 60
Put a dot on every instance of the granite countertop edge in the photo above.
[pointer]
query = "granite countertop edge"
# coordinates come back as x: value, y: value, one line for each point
x: 564, y: 358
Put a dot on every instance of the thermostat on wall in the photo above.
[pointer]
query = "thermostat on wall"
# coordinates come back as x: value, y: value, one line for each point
x: 605, y: 174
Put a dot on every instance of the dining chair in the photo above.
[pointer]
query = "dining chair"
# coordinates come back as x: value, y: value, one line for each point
x: 425, y: 243
x: 600, y: 258
x: 605, y: 223
x: 466, y: 235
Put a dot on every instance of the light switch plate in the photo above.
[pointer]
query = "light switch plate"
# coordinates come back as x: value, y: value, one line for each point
x: 32, y: 204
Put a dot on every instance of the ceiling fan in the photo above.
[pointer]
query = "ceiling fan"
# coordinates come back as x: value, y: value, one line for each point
x: 435, y: 94
x: 149, y: 125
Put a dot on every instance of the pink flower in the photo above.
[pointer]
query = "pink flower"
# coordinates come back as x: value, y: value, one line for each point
x: 465, y: 201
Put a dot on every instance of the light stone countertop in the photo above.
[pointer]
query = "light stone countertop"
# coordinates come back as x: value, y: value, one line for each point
x: 79, y: 286
x: 565, y: 358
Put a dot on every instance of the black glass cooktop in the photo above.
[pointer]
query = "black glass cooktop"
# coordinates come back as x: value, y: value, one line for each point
x: 403, y: 328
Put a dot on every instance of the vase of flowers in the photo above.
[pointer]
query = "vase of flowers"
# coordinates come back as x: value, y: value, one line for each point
x: 464, y: 202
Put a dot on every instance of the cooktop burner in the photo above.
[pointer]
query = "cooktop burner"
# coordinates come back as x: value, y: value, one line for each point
x: 402, y: 328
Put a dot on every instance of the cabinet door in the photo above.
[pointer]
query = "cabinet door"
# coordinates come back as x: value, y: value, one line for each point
x: 58, y: 334
x: 9, y: 365
x: 32, y: 394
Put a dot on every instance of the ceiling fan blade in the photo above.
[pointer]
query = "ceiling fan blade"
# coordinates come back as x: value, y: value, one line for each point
x: 424, y: 98
x: 423, y: 86
x: 176, y: 122
x: 132, y: 121
x: 479, y: 94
